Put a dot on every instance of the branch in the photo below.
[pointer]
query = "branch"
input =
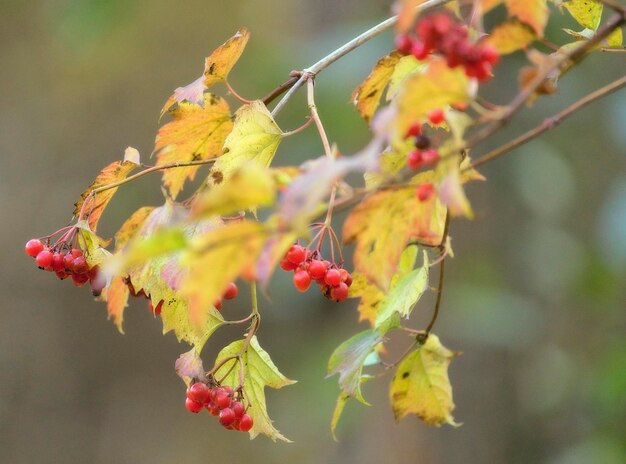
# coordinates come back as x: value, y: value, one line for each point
x: 329, y: 59
x: 442, y: 268
x: 550, y: 123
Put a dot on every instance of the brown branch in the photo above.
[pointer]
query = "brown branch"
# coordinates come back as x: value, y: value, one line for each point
x: 442, y: 268
x: 282, y: 88
x: 550, y: 123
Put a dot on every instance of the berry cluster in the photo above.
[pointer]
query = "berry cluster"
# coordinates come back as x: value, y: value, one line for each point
x: 423, y: 154
x: 221, y: 402
x: 442, y: 34
x: 66, y: 261
x: 308, y: 266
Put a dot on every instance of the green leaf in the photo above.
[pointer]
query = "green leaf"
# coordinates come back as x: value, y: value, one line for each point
x: 421, y: 385
x: 259, y: 372
x: 342, y: 399
x: 588, y: 13
x: 404, y: 294
x: 254, y: 138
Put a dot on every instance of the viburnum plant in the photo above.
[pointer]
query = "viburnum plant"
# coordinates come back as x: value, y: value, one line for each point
x: 424, y: 105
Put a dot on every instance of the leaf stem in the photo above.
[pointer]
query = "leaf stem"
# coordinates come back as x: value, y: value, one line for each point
x: 442, y: 268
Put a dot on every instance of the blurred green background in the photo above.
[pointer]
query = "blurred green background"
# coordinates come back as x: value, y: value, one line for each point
x: 535, y: 297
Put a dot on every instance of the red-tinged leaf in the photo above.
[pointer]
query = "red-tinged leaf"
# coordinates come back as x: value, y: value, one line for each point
x: 191, y: 93
x: 532, y: 12
x: 196, y: 133
x: 367, y: 95
x: 221, y: 61
x: 117, y: 295
x: 114, y: 172
x: 188, y: 366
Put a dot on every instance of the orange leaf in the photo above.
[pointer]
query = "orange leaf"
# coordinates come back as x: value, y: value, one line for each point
x: 114, y: 172
x: 196, y: 133
x: 406, y: 15
x: 131, y: 226
x: 117, y: 300
x: 367, y: 95
x: 218, y: 65
x: 532, y: 12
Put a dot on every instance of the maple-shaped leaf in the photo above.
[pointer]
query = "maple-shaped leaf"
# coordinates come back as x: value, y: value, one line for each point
x: 587, y: 13
x: 251, y: 186
x: 114, y: 172
x: 510, y: 36
x: 259, y: 371
x: 367, y: 95
x: 384, y: 223
x: 216, y: 69
x: 216, y: 258
x: 532, y: 12
x: 404, y: 294
x: 117, y: 294
x: 131, y: 226
x: 188, y: 366
x: 254, y: 138
x: 197, y: 133
x: 371, y: 295
x: 421, y: 385
x: 436, y: 87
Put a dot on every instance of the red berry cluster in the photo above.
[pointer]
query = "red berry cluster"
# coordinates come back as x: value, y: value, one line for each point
x: 66, y: 262
x: 221, y: 402
x: 442, y: 34
x: 424, y: 154
x: 308, y: 266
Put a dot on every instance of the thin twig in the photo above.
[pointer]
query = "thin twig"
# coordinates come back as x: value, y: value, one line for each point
x: 442, y: 268
x: 550, y: 123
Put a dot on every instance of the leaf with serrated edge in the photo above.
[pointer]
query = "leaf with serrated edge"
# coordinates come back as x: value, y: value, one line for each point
x: 251, y: 186
x: 404, y: 294
x: 259, y: 372
x: 510, y: 36
x: 117, y: 294
x: 532, y: 12
x: 114, y: 172
x: 196, y: 133
x: 367, y: 95
x: 588, y: 13
x: 254, y: 138
x: 421, y: 385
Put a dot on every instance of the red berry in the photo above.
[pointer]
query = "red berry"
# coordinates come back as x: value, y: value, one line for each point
x: 57, y: 262
x: 425, y: 191
x: 44, y: 259
x: 97, y: 284
x: 403, y: 44
x: 333, y: 277
x: 222, y: 400
x: 414, y: 130
x: 218, y: 304
x: 302, y: 280
x: 80, y: 279
x: 414, y: 159
x: 68, y: 261
x: 213, y: 410
x: 419, y: 50
x: 238, y: 408
x: 33, y: 247
x: 317, y: 269
x: 436, y: 116
x: 339, y: 293
x: 287, y: 265
x: 193, y: 406
x: 296, y: 254
x: 245, y: 423
x: 62, y: 275
x: 80, y: 266
x: 489, y: 54
x: 430, y: 156
x: 227, y: 417
x: 199, y: 392
x: 231, y: 291
x: 76, y: 252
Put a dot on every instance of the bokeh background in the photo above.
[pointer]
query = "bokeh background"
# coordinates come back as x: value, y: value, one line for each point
x: 535, y: 297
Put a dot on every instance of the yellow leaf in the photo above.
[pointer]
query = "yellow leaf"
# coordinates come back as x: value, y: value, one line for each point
x: 117, y: 300
x: 369, y: 293
x: 407, y: 66
x: 532, y: 12
x: 437, y: 87
x: 511, y: 36
x: 196, y: 133
x: 220, y: 62
x: 615, y: 38
x: 216, y: 258
x: 254, y: 138
x: 588, y: 13
x: 367, y: 95
x: 259, y: 371
x: 251, y: 186
x: 131, y: 226
x: 339, y: 407
x: 114, y: 172
x: 384, y: 223
x: 93, y: 246
x: 421, y: 385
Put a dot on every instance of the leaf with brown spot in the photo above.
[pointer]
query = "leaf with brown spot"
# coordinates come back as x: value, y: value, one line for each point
x: 588, y: 13
x: 366, y: 96
x: 96, y: 204
x: 221, y: 61
x: 532, y: 12
x: 196, y: 133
